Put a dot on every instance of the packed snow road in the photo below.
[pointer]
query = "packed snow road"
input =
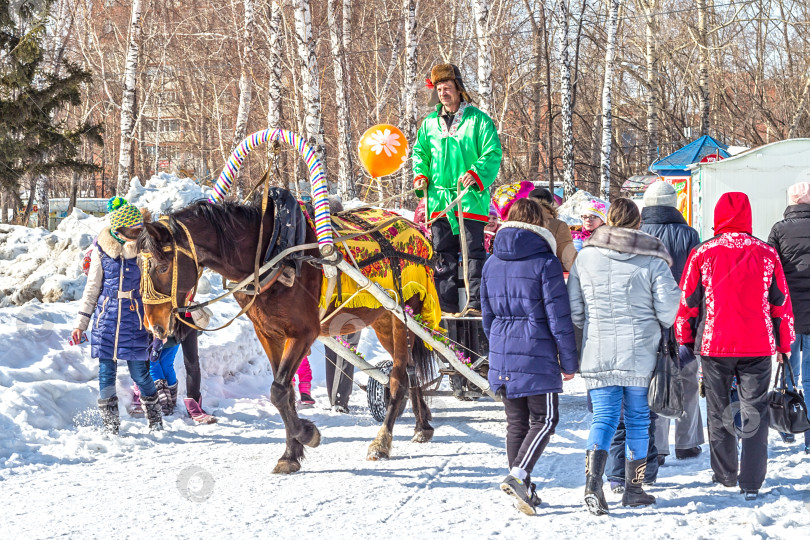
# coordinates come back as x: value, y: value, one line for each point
x: 215, y: 481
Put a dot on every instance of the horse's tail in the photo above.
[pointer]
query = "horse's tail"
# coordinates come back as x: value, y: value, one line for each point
x: 423, y: 361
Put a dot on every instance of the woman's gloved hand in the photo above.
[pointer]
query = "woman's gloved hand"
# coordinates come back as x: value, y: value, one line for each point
x: 153, y: 351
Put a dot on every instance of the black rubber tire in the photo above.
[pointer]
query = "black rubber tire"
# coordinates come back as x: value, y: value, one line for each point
x: 379, y: 396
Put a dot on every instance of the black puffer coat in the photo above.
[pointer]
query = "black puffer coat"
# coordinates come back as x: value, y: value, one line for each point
x: 668, y: 225
x: 791, y: 239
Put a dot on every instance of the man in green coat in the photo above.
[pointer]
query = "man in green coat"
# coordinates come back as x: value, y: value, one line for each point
x: 457, y: 147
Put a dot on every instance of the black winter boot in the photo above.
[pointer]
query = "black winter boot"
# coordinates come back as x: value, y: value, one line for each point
x: 109, y: 414
x: 172, y: 396
x: 151, y: 406
x: 595, y: 461
x: 164, y: 397
x: 634, y: 495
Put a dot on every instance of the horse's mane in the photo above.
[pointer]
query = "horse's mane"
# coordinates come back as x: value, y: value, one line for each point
x: 227, y: 220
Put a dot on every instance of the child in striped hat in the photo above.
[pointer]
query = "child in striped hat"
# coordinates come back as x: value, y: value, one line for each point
x: 112, y: 296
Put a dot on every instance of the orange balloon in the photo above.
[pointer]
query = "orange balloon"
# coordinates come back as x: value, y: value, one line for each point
x: 383, y: 149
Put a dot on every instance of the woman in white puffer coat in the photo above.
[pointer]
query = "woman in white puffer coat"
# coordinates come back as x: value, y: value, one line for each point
x: 622, y: 293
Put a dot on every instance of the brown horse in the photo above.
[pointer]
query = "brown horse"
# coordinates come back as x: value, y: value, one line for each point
x: 286, y: 319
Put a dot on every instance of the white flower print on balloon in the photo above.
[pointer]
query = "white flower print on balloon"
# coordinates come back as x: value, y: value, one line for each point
x: 383, y: 141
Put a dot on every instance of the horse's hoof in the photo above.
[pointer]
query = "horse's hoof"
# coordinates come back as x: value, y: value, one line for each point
x: 422, y: 436
x: 377, y: 454
x: 286, y: 467
x: 315, y: 440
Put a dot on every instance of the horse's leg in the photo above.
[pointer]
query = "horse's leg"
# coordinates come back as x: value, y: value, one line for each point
x: 423, y: 431
x: 299, y: 432
x: 282, y: 396
x: 384, y: 327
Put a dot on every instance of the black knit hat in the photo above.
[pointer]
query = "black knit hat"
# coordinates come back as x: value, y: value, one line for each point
x: 542, y: 194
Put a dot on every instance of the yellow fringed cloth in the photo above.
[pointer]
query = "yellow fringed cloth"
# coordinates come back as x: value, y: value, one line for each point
x: 366, y: 253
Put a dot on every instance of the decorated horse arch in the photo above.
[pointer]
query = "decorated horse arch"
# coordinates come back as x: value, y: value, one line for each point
x: 299, y: 278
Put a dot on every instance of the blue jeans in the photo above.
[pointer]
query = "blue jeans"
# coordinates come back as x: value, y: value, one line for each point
x: 800, y: 363
x: 138, y: 370
x: 164, y: 367
x: 607, y: 410
x: 616, y: 457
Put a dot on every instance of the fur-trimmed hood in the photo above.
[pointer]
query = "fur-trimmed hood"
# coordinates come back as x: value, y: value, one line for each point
x: 628, y: 241
x: 113, y: 248
x: 543, y: 233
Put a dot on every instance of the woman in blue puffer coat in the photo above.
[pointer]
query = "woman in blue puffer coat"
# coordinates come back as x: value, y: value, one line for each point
x: 113, y: 296
x: 527, y: 319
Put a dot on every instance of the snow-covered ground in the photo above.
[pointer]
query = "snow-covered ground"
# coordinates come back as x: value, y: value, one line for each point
x: 60, y: 476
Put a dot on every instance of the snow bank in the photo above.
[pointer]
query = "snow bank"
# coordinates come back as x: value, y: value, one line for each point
x: 42, y: 265
x: 36, y: 264
x: 48, y: 389
x: 165, y: 193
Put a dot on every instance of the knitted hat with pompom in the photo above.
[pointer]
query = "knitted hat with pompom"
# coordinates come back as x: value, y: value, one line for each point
x: 126, y: 215
x: 115, y: 203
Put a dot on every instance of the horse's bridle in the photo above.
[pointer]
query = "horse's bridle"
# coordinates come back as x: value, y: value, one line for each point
x: 149, y: 294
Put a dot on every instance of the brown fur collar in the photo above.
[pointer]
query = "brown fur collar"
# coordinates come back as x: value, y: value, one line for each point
x: 113, y: 248
x: 628, y: 241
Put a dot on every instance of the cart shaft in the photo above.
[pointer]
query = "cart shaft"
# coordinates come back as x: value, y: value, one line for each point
x: 391, y: 305
x: 355, y: 360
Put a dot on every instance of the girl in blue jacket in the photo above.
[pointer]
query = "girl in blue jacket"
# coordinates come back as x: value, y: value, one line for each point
x: 527, y: 319
x: 113, y: 296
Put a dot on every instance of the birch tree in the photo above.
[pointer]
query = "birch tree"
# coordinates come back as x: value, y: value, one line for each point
x: 128, y: 98
x: 607, y: 107
x: 313, y: 119
x: 537, y: 90
x: 274, y: 62
x: 481, y: 14
x: 346, y: 188
x: 797, y: 116
x: 561, y: 15
x: 651, y: 96
x: 245, y: 78
x: 703, y: 67
x: 409, y: 84
x: 346, y: 35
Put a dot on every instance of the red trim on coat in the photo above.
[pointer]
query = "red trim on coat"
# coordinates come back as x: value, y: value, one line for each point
x: 467, y: 215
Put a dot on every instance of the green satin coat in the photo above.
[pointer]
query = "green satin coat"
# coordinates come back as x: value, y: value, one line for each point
x: 443, y: 156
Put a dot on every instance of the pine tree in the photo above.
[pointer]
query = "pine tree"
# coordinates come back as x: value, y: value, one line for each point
x: 37, y: 140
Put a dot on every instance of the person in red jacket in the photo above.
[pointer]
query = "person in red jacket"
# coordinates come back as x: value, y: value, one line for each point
x: 735, y: 311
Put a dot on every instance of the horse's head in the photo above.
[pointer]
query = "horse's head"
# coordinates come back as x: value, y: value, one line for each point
x: 168, y: 272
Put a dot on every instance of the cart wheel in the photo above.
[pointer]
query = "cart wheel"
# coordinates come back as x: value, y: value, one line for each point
x: 379, y: 396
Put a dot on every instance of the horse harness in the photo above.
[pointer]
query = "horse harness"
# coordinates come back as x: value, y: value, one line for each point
x: 284, y: 251
x: 149, y: 294
x: 387, y: 250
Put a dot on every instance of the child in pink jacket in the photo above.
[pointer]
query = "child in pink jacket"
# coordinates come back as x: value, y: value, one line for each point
x: 304, y: 375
